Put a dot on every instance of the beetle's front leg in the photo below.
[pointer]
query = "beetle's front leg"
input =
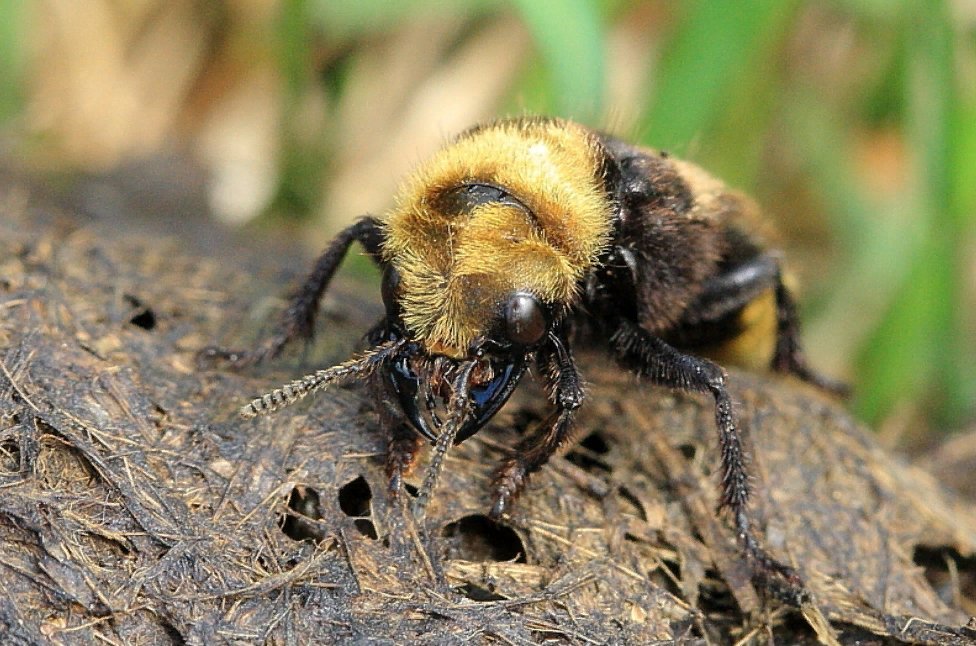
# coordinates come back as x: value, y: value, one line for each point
x: 566, y: 390
x: 401, y: 456
x: 402, y: 442
x: 298, y: 319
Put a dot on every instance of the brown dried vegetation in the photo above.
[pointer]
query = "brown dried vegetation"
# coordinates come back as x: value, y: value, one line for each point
x: 136, y: 507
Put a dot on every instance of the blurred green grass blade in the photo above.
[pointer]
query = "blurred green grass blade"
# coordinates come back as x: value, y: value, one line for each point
x: 960, y: 378
x: 899, y: 362
x: 963, y: 402
x: 736, y: 140
x: 347, y: 19
x: 964, y: 167
x: 914, y: 354
x: 12, y: 30
x: 876, y: 235
x: 571, y: 41
x: 294, y: 45
x: 303, y: 158
x: 717, y: 45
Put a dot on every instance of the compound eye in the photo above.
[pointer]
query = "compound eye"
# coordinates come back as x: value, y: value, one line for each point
x: 525, y: 319
x: 391, y: 290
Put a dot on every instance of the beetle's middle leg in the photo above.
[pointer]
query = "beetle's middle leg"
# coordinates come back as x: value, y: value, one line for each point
x: 655, y: 359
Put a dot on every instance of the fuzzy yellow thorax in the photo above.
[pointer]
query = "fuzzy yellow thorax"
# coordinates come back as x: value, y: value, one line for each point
x: 456, y: 270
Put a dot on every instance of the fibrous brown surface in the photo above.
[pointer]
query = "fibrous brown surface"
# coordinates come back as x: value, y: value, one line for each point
x: 136, y: 507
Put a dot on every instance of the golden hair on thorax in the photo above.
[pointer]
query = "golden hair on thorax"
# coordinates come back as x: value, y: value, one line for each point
x: 457, y: 268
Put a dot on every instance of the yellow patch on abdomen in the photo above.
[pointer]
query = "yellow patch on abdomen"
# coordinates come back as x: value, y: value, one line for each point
x: 753, y: 347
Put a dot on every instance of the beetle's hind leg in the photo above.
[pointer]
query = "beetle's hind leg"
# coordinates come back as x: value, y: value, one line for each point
x: 731, y: 290
x: 663, y: 364
x: 714, y: 314
x: 298, y: 319
x: 789, y: 355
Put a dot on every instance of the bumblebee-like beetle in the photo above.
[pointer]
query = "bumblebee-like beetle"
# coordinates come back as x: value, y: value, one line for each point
x: 523, y: 235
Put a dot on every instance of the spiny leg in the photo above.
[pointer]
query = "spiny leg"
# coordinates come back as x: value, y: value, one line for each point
x: 402, y: 442
x: 298, y: 319
x: 655, y: 359
x: 566, y: 391
x: 789, y: 356
x: 730, y: 291
x: 733, y: 289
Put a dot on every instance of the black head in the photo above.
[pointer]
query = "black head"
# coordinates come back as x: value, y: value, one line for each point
x: 422, y: 379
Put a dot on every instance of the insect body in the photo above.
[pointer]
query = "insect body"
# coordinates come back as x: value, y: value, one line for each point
x: 520, y: 238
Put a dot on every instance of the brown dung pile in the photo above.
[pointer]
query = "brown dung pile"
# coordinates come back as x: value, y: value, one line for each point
x: 136, y: 507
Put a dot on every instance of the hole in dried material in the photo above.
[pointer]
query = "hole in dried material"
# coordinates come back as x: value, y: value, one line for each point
x: 354, y: 498
x: 690, y: 629
x: 303, y: 510
x: 477, y: 593
x: 145, y: 319
x: 714, y: 595
x: 10, y: 455
x: 366, y: 528
x: 585, y: 460
x: 668, y: 575
x: 595, y: 442
x: 951, y: 575
x: 478, y: 538
x: 634, y: 503
x: 586, y: 454
x: 523, y: 419
x: 412, y: 490
x: 172, y: 632
x: 143, y: 316
x: 689, y: 451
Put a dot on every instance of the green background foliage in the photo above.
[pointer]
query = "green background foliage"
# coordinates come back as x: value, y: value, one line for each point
x: 797, y: 102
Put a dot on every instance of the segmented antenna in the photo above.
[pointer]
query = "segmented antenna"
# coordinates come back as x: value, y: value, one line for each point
x: 297, y: 390
x: 457, y: 411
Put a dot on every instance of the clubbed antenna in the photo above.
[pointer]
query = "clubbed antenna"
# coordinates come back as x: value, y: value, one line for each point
x: 293, y: 392
x: 456, y: 413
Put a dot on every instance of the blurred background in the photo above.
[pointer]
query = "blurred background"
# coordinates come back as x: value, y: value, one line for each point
x: 853, y: 122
